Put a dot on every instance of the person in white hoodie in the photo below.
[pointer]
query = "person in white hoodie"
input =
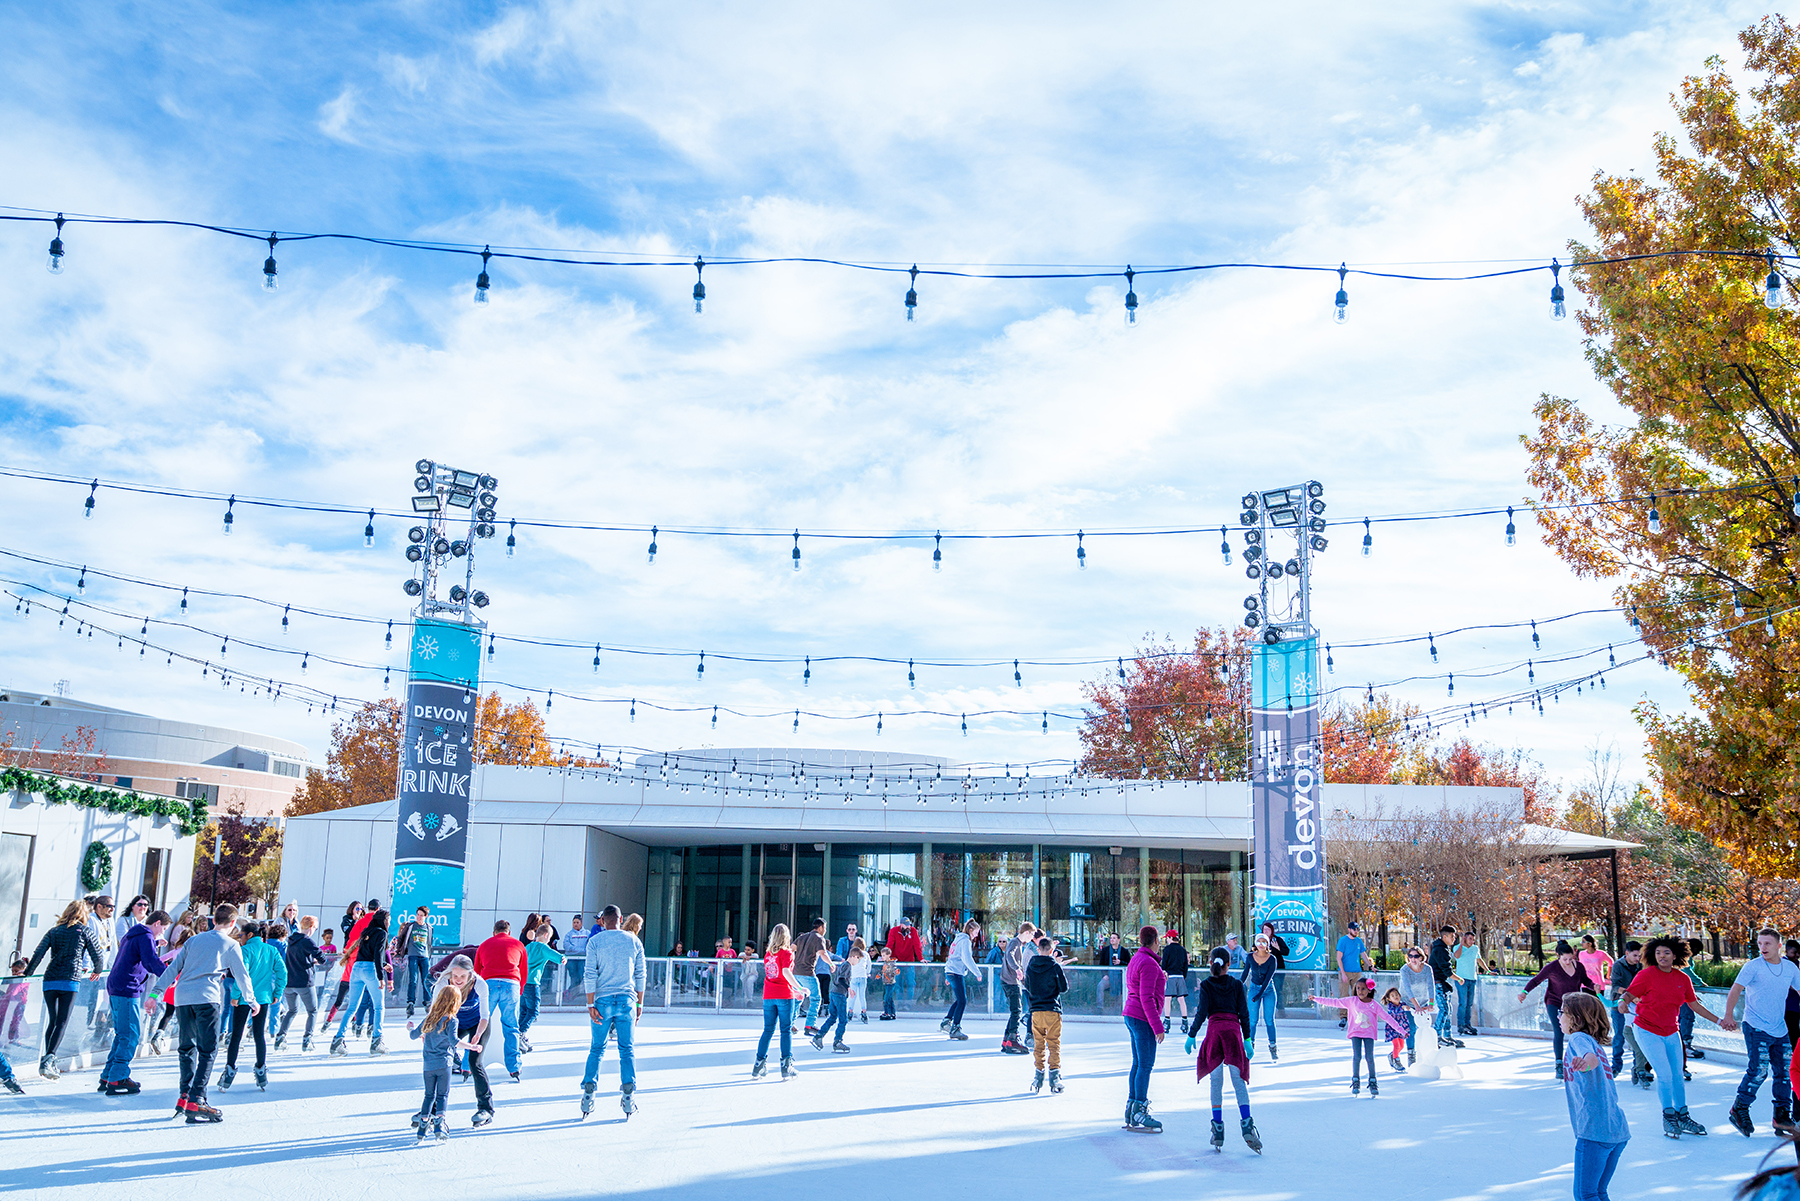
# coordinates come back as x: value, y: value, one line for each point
x: 960, y: 964
x: 198, y: 974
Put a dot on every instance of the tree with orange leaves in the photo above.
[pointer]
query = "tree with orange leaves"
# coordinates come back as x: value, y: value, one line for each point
x: 1707, y: 457
x: 363, y: 763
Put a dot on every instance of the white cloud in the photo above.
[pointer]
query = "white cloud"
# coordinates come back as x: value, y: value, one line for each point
x: 336, y: 114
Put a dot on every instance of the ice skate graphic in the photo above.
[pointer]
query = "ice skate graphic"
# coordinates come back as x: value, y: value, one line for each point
x: 449, y: 828
x: 415, y: 826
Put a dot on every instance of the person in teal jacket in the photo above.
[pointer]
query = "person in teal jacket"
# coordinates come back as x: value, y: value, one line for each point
x: 538, y: 956
x: 268, y: 977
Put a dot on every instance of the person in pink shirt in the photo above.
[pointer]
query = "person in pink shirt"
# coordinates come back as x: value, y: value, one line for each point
x: 1597, y: 962
x: 1143, y: 1021
x: 1363, y: 1025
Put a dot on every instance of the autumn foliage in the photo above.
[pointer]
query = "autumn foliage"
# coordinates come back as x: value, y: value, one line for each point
x: 1707, y: 377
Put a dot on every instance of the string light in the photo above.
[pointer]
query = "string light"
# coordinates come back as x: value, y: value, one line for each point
x: 229, y: 506
x: 1655, y: 517
x: 806, y: 676
x: 1534, y: 634
x: 390, y: 635
x: 87, y: 506
x: 284, y: 619
x: 1131, y: 300
x: 81, y: 584
x: 1368, y: 538
x: 1224, y: 547
x: 1772, y: 295
x: 1558, y: 310
x: 937, y: 551
x: 796, y: 550
x: 653, y: 533
x: 269, y: 265
x: 1342, y: 302
x: 699, y: 283
x: 512, y: 540
x: 369, y: 530
x: 1433, y: 644
x: 482, y: 281
x: 1080, y: 551
x: 55, y: 265
x: 1511, y: 533
x: 910, y: 678
x: 912, y: 292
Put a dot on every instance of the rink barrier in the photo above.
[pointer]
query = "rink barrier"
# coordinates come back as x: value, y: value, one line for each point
x: 735, y: 986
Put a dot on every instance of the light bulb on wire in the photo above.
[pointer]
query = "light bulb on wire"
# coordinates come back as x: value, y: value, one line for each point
x: 1343, y: 298
x: 269, y: 265
x: 55, y: 265
x: 912, y: 292
x: 1772, y: 293
x: 1558, y: 310
x: 699, y: 284
x: 1131, y: 299
x: 481, y: 281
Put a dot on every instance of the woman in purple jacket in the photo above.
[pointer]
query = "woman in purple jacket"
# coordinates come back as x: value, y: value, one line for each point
x: 1143, y: 1021
x: 1564, y: 975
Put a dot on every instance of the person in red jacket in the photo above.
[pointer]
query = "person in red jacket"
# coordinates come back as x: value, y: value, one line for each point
x: 501, y: 962
x: 342, y: 968
x: 903, y: 941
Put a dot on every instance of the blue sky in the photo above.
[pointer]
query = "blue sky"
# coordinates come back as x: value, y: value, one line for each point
x: 1020, y: 134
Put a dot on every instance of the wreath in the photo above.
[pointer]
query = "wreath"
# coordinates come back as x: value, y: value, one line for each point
x: 96, y: 867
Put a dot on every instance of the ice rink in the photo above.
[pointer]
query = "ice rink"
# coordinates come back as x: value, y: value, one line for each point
x: 907, y: 1115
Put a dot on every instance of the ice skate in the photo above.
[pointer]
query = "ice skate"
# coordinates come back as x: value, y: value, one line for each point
x: 13, y: 1086
x: 227, y: 1076
x: 944, y: 1026
x: 1252, y: 1136
x: 1056, y: 1085
x: 338, y: 1047
x: 379, y: 1046
x: 439, y: 1130
x: 1784, y: 1122
x: 1273, y: 1057
x: 818, y: 1041
x: 1688, y: 1125
x: 420, y: 1130
x: 305, y: 1043
x: 1740, y: 1118
x: 1037, y: 1083
x: 1145, y: 1123
x: 482, y: 1117
x: 761, y: 1069
x: 418, y: 1122
x: 1374, y: 1090
x: 587, y: 1099
x: 840, y: 1047
x: 281, y: 1042
x: 787, y: 1067
x: 1671, y: 1124
x: 1394, y: 1061
x: 199, y: 1112
x: 1218, y: 1136
x: 159, y: 1043
x: 626, y: 1101
x: 262, y: 1078
x: 47, y: 1068
x: 957, y: 1035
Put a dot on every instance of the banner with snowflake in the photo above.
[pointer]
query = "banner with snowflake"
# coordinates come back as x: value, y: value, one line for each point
x: 1289, y: 869
x: 431, y: 838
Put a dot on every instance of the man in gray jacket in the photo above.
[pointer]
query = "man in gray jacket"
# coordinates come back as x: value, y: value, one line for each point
x: 198, y: 974
x: 1019, y: 948
x: 615, y: 979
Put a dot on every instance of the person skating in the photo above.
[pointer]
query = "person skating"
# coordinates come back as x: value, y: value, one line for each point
x: 1469, y: 967
x: 1561, y: 976
x: 779, y: 990
x: 1395, y: 1004
x: 1223, y: 1012
x: 1443, y: 968
x: 1352, y: 957
x: 1143, y: 1022
x: 65, y: 943
x: 1653, y: 1003
x: 1419, y: 993
x: 302, y: 956
x: 1363, y: 1020
x: 1014, y: 958
x: 1044, y: 983
x: 1764, y: 983
x: 268, y: 977
x: 1601, y: 1131
x: 614, y: 980
x: 365, y: 981
x: 1175, y: 987
x: 198, y: 973
x: 806, y: 960
x: 841, y: 977
x: 539, y: 954
x: 959, y: 966
x: 134, y: 967
x: 859, y: 982
x: 1624, y: 971
x: 441, y: 1043
x: 412, y: 957
x: 1261, y: 976
x: 347, y: 960
x: 472, y: 1028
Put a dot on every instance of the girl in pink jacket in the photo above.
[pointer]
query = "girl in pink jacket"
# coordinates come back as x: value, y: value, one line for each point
x: 1366, y: 1019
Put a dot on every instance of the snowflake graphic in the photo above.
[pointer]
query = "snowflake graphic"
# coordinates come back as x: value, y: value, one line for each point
x: 432, y: 821
x: 428, y: 647
x: 405, y: 881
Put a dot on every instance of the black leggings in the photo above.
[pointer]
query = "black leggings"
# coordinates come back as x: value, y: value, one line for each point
x: 240, y: 1017
x: 56, y: 1006
x: 168, y: 1013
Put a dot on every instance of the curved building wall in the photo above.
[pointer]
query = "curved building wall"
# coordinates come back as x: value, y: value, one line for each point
x: 156, y: 755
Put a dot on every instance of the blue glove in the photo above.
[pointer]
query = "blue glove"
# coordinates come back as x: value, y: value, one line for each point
x: 1189, y: 1047
x: 1249, y: 1050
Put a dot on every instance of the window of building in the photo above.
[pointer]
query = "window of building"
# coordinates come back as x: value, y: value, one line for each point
x: 282, y: 767
x: 195, y: 790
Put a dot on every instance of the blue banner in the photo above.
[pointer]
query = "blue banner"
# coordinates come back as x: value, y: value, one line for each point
x: 1289, y: 874
x: 436, y: 767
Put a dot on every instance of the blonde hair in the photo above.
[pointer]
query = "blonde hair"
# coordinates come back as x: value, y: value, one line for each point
x: 444, y: 1003
x: 74, y: 915
x: 632, y: 924
x: 1588, y: 1016
x: 779, y: 938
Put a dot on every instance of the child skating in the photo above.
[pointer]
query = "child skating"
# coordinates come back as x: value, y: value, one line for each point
x: 1364, y: 1020
x: 1396, y: 1008
x: 1223, y: 1013
x: 1601, y: 1131
x: 438, y: 1031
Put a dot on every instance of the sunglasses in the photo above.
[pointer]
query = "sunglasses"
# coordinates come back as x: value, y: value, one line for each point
x: 1414, y: 955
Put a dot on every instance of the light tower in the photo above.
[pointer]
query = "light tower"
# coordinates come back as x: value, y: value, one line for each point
x: 458, y: 509
x: 1288, y: 827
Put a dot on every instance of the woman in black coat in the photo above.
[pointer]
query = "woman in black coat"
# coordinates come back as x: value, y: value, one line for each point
x: 64, y: 943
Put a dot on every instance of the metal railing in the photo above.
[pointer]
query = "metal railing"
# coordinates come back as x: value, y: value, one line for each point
x: 730, y: 985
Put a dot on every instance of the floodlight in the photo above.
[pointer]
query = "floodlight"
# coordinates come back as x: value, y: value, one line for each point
x: 441, y: 547
x: 1253, y: 572
x: 1281, y: 496
x: 465, y: 479
x: 426, y: 504
x: 1319, y: 543
x: 1274, y: 570
x: 1248, y: 517
x: 422, y: 484
x: 413, y: 587
x: 457, y: 594
x: 459, y: 548
x: 424, y: 466
x: 1317, y: 525
x: 1317, y: 506
x: 1315, y: 489
x: 1252, y: 553
x: 1250, y: 602
x: 484, y: 530
x: 486, y: 513
x: 414, y: 553
x: 460, y: 499
x: 1271, y: 635
x: 1293, y: 567
x: 490, y: 483
x: 416, y: 534
x: 1253, y: 537
x: 1251, y: 621
x: 489, y: 500
x: 479, y: 599
x: 1284, y: 516
x: 1249, y: 500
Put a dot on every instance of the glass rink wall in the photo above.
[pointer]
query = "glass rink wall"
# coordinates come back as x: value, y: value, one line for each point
x: 699, y: 895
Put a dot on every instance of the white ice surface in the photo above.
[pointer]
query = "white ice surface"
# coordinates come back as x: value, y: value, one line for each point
x: 907, y: 1115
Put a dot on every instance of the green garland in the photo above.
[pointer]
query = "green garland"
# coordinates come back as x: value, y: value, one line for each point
x: 96, y: 867
x: 189, y: 815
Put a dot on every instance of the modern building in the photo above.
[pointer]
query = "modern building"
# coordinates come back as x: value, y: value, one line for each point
x: 151, y: 754
x: 712, y: 843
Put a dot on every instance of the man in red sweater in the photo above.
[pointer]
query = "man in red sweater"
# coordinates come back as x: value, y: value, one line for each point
x: 903, y: 941
x: 501, y: 962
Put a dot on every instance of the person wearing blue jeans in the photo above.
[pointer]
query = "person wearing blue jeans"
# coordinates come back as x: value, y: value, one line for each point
x: 134, y: 968
x: 780, y: 987
x: 503, y: 1003
x: 1264, y: 995
x: 1599, y: 1125
x: 614, y: 981
x: 1653, y: 1002
x: 365, y: 985
x: 1764, y: 983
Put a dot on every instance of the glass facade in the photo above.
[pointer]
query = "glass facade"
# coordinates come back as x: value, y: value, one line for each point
x: 699, y: 895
